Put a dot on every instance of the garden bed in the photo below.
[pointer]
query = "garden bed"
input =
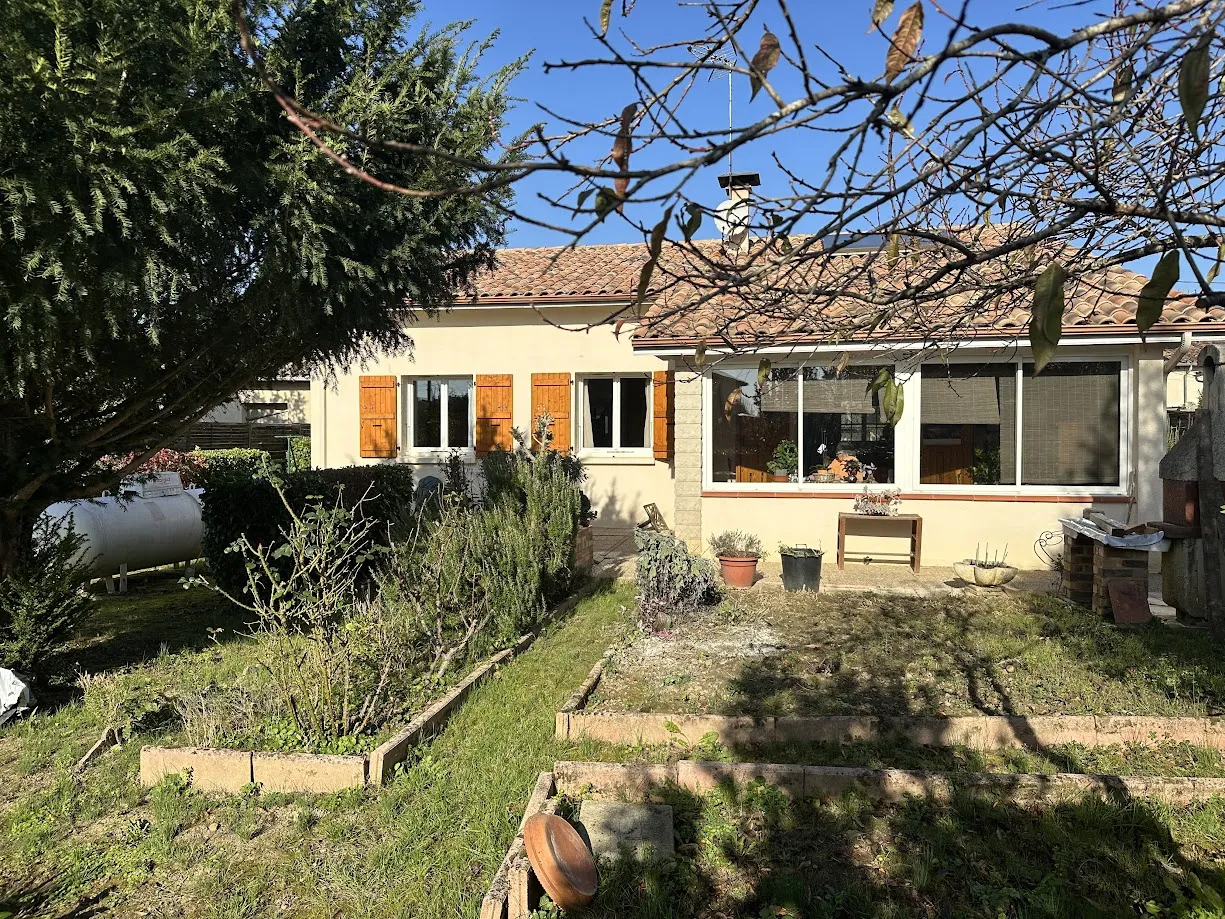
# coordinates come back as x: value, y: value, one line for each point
x: 775, y: 655
x: 756, y: 839
x: 748, y: 844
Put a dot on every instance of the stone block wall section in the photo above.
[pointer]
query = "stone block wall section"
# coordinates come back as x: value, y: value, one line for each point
x: 646, y: 782
x: 687, y: 468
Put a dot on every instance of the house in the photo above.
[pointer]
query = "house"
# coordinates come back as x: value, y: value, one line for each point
x: 984, y: 452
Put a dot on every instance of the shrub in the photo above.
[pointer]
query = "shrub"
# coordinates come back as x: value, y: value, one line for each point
x: 736, y: 544
x: 45, y: 600
x: 542, y: 487
x: 238, y: 505
x: 670, y: 579
x: 329, y: 654
x: 298, y: 457
x: 470, y: 580
x: 237, y: 462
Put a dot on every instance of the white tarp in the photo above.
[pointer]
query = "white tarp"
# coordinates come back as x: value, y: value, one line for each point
x: 15, y: 696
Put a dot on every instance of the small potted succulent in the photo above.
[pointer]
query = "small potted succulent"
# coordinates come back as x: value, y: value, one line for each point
x: 738, y: 553
x: 987, y: 571
x: 801, y: 567
x: 785, y: 463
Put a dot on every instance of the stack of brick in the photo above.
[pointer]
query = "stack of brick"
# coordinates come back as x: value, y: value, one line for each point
x: 1078, y: 568
x: 1110, y: 564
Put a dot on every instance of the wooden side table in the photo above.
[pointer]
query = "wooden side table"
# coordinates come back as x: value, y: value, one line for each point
x: 916, y: 535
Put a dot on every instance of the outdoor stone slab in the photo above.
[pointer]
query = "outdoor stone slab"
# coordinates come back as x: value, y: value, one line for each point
x: 307, y: 773
x: 611, y: 827
x: 1040, y: 731
x: 703, y: 777
x: 210, y: 770
x: 1121, y: 729
x: 640, y: 781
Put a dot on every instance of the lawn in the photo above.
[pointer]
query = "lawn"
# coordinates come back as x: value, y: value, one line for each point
x: 427, y: 845
x: 751, y: 852
x: 840, y: 654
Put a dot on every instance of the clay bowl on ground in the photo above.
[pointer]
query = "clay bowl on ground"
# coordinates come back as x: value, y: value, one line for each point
x: 562, y: 862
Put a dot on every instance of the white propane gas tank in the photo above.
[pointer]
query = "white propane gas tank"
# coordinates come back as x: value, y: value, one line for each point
x: 156, y: 522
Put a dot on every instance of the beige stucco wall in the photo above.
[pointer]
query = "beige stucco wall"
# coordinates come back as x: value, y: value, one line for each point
x: 296, y: 396
x: 1183, y: 387
x: 519, y: 342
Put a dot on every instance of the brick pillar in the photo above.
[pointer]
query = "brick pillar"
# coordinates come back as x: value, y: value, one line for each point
x: 1078, y: 569
x: 687, y: 471
x: 1110, y: 564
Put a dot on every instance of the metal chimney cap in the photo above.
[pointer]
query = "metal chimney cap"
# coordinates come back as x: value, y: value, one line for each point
x: 739, y: 180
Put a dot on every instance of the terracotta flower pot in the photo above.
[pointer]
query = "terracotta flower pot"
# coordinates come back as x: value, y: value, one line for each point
x: 779, y: 477
x: 738, y: 573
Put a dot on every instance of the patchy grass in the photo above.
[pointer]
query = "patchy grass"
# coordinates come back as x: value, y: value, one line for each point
x: 427, y: 845
x: 835, y: 654
x: 751, y: 852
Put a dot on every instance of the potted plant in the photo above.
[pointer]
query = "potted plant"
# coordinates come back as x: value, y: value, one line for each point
x: 738, y: 553
x: 882, y: 503
x: 786, y: 461
x: 986, y: 571
x: 801, y: 568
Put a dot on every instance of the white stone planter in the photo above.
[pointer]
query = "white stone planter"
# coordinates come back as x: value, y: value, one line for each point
x: 984, y: 577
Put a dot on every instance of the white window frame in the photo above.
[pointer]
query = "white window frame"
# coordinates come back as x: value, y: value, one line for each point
x: 907, y: 441
x: 579, y: 413
x: 409, y: 386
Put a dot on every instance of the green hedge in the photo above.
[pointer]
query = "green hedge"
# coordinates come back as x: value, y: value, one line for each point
x: 236, y: 504
x: 241, y: 462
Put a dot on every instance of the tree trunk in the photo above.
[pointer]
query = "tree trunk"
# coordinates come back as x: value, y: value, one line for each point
x: 1210, y: 517
x: 16, y: 530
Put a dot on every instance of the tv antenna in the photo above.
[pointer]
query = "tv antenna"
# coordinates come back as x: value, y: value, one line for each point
x: 708, y: 50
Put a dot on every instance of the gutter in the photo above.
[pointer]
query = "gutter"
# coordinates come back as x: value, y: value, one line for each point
x: 683, y: 347
x: 1183, y: 349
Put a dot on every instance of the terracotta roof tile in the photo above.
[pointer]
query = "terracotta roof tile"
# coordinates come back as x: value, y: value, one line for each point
x: 1102, y: 300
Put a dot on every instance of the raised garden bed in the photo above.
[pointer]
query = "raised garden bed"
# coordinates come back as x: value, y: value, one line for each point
x: 226, y: 770
x: 776, y: 655
x: 783, y: 840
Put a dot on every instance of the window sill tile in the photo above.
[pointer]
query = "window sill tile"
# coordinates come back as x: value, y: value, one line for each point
x: 600, y: 458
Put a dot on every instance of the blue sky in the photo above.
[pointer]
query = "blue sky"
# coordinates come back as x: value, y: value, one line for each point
x: 554, y: 30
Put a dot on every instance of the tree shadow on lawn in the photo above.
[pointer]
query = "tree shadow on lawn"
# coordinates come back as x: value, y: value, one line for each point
x: 751, y: 852
x: 964, y: 655
x: 127, y: 629
x: 36, y: 901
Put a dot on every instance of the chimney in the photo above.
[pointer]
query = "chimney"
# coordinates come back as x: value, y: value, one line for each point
x: 734, y: 216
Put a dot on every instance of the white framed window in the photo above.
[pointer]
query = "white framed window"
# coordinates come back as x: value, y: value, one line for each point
x: 971, y: 424
x: 439, y: 414
x: 614, y: 414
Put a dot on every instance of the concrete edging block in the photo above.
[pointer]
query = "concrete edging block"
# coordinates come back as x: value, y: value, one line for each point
x: 612, y: 778
x: 211, y: 770
x: 888, y: 785
x: 982, y: 732
x: 497, y: 900
x: 307, y: 773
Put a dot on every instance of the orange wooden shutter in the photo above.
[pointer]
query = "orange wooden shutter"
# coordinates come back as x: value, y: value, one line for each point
x: 494, y: 411
x: 378, y: 417
x: 551, y: 393
x: 664, y: 428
